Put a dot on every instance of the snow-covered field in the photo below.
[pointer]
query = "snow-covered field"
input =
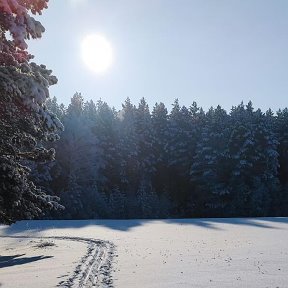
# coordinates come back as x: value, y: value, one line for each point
x: 141, y: 253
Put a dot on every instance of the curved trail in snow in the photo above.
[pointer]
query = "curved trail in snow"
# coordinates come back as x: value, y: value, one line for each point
x: 94, y: 267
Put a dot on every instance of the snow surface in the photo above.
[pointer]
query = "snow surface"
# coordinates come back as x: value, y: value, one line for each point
x: 160, y: 253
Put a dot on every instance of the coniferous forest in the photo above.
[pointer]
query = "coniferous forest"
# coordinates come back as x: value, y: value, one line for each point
x: 141, y: 163
x: 132, y: 163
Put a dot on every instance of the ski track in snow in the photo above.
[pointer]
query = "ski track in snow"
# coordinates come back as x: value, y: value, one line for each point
x: 94, y: 267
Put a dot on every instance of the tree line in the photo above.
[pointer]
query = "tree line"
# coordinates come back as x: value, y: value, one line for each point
x: 134, y: 163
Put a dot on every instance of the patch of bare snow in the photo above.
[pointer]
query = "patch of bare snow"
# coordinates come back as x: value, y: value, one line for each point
x: 216, y: 253
x: 92, y: 270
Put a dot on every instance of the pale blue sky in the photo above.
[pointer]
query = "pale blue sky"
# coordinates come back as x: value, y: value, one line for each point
x: 208, y: 51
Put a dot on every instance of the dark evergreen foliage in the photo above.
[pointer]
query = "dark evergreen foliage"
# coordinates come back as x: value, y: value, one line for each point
x: 189, y: 163
x: 25, y: 123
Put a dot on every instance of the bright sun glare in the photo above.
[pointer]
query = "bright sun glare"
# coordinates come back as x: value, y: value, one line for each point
x: 97, y: 53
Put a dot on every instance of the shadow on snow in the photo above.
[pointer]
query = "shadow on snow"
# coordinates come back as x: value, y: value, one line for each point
x: 14, y: 260
x: 126, y: 225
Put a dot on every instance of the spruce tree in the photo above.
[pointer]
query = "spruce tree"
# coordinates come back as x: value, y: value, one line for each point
x: 105, y: 129
x: 159, y: 139
x: 209, y: 169
x: 129, y: 150
x: 25, y: 122
x: 280, y: 203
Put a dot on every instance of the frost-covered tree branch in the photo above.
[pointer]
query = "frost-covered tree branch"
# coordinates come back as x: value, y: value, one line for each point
x: 25, y: 122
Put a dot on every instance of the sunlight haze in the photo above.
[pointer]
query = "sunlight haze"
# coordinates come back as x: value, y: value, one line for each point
x: 211, y: 52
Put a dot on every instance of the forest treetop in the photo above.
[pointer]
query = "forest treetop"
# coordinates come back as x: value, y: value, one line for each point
x: 137, y: 163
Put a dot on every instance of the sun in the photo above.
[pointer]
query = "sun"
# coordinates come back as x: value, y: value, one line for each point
x: 97, y: 53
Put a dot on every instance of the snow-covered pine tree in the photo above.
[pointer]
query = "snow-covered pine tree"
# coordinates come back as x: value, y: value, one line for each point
x: 48, y: 175
x: 281, y: 129
x: 159, y: 121
x: 181, y: 141
x: 79, y: 158
x: 198, y: 119
x: 105, y: 129
x: 129, y: 164
x: 181, y: 149
x: 266, y: 163
x: 240, y: 151
x: 24, y: 119
x: 280, y: 203
x: 159, y: 139
x: 209, y: 169
x: 252, y: 149
x: 143, y: 126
